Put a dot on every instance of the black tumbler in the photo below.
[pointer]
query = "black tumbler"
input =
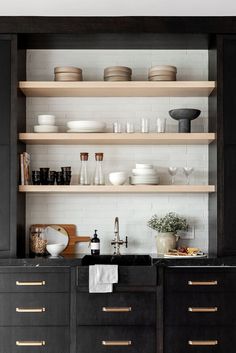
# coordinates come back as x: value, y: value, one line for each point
x: 44, y: 176
x: 36, y: 177
x: 59, y: 178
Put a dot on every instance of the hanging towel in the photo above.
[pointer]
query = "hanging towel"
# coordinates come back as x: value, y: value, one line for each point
x: 102, y: 277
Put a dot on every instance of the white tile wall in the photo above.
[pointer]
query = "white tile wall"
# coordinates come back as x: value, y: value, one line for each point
x: 91, y: 212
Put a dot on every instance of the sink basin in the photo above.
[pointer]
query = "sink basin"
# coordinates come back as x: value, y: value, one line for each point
x: 121, y: 260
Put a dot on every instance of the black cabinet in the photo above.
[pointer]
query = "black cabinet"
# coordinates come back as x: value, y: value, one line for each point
x: 4, y: 197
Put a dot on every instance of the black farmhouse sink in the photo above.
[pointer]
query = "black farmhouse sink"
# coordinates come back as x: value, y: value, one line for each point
x: 121, y: 260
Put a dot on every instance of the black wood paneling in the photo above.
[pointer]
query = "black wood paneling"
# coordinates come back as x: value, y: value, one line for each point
x: 5, y: 89
x: 4, y: 197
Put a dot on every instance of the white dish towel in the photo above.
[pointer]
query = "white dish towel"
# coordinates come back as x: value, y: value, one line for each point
x: 102, y: 277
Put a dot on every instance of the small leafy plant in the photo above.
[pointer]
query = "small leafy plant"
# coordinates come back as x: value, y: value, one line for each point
x: 170, y: 223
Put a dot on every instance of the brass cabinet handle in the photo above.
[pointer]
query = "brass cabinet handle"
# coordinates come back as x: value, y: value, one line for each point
x: 203, y: 310
x: 203, y: 343
x: 36, y: 283
x: 30, y: 310
x: 30, y: 343
x: 116, y: 343
x: 117, y: 309
x: 202, y: 283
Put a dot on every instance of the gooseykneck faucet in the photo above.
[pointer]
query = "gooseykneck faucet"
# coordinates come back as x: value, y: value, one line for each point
x: 117, y: 242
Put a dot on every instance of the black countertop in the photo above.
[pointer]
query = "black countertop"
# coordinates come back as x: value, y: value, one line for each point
x: 76, y: 260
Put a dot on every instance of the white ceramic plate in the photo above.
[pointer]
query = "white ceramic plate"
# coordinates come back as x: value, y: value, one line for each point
x: 185, y: 257
x: 56, y: 235
x: 45, y: 128
x: 84, y: 130
x: 144, y: 171
x: 144, y: 166
x: 89, y: 124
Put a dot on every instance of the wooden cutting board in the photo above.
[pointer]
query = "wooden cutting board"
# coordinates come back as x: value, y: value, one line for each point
x: 73, y: 238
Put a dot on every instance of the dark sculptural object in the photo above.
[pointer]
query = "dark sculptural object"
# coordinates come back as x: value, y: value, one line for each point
x: 184, y: 116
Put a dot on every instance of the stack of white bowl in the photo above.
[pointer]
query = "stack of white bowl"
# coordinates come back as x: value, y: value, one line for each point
x: 144, y: 174
x: 68, y: 73
x: 162, y: 73
x: 117, y: 73
x: 86, y: 126
x: 46, y: 123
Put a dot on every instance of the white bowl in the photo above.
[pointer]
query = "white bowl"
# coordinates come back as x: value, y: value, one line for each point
x: 117, y: 178
x: 144, y: 166
x: 45, y: 128
x: 144, y: 171
x: 55, y: 249
x: 46, y: 119
x: 86, y: 124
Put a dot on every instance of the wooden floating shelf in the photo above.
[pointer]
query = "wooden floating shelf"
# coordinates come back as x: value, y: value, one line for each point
x: 117, y: 189
x: 117, y: 89
x: 117, y: 139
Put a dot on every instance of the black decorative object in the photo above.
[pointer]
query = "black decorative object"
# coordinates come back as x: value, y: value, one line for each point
x: 184, y: 116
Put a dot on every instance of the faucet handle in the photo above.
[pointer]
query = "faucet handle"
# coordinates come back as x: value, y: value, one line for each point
x: 126, y: 242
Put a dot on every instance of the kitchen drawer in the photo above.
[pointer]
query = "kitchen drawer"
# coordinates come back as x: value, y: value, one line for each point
x: 116, y: 309
x: 128, y: 276
x: 55, y: 340
x: 49, y: 309
x: 215, y: 340
x: 200, y: 309
x: 114, y: 339
x: 200, y: 280
x: 39, y: 281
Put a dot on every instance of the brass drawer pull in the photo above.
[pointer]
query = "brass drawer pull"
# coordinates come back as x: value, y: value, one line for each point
x: 202, y: 283
x: 116, y: 309
x: 30, y: 343
x: 203, y: 343
x: 203, y: 310
x: 30, y: 310
x: 36, y: 283
x: 116, y: 343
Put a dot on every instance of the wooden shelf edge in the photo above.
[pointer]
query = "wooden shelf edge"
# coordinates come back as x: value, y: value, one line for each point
x: 117, y: 189
x: 119, y: 139
x: 119, y: 89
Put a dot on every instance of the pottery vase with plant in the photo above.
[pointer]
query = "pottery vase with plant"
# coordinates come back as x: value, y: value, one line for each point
x: 167, y: 228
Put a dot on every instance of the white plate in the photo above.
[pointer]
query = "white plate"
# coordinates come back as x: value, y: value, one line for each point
x: 144, y: 171
x: 84, y: 130
x: 185, y: 257
x: 45, y: 128
x: 143, y: 166
x: 86, y: 124
x: 56, y: 235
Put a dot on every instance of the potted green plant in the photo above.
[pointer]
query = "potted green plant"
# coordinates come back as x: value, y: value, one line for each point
x: 167, y: 228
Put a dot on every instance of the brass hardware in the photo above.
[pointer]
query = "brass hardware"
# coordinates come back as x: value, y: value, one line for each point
x: 30, y: 343
x: 203, y: 310
x: 117, y: 309
x: 116, y: 343
x: 30, y: 310
x: 202, y: 283
x: 203, y: 343
x: 36, y: 283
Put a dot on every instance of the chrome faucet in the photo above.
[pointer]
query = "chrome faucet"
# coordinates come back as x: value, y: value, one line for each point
x: 117, y: 242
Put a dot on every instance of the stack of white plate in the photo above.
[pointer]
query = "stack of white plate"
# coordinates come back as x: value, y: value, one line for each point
x: 117, y: 73
x: 86, y: 126
x: 68, y: 73
x: 46, y: 124
x: 162, y: 73
x: 144, y: 174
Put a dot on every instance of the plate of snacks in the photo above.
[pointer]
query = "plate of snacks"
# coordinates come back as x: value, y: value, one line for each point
x: 185, y: 253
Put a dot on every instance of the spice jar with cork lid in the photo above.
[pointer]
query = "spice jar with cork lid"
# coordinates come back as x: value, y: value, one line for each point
x: 84, y: 176
x: 99, y: 178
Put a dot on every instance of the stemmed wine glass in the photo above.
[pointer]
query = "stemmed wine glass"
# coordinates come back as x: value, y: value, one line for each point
x: 172, y: 171
x: 187, y: 172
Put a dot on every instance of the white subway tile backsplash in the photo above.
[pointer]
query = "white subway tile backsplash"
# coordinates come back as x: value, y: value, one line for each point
x: 89, y: 211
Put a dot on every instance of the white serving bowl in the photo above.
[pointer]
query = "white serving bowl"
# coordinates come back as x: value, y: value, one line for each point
x: 46, y: 119
x: 117, y: 178
x: 55, y: 249
x: 143, y: 166
x: 45, y: 128
x: 144, y: 171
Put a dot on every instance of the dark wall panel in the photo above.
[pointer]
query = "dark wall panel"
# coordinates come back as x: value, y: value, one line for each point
x: 4, y: 198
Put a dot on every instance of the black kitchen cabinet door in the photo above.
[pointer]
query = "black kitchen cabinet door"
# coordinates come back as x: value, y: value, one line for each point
x: 4, y: 198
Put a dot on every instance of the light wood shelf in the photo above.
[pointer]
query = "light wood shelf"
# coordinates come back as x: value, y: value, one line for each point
x: 117, y: 189
x: 117, y: 89
x: 117, y: 139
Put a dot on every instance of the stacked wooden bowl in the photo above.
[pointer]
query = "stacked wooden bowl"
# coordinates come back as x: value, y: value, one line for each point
x: 117, y: 73
x: 68, y: 73
x: 162, y: 73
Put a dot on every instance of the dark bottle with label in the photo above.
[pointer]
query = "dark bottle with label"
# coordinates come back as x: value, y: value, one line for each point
x: 95, y: 244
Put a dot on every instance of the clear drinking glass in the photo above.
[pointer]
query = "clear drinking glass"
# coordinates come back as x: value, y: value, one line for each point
x: 117, y: 127
x: 187, y: 172
x: 161, y: 125
x: 129, y: 127
x: 172, y: 171
x: 145, y: 125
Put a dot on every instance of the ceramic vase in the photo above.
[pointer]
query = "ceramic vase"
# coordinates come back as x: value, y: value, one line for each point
x: 165, y: 242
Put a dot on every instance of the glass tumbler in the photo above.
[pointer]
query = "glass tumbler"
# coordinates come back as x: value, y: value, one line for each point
x: 117, y: 127
x: 129, y: 127
x: 161, y: 125
x: 145, y: 125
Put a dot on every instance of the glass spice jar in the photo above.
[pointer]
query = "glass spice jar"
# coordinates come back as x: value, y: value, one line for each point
x: 37, y: 241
